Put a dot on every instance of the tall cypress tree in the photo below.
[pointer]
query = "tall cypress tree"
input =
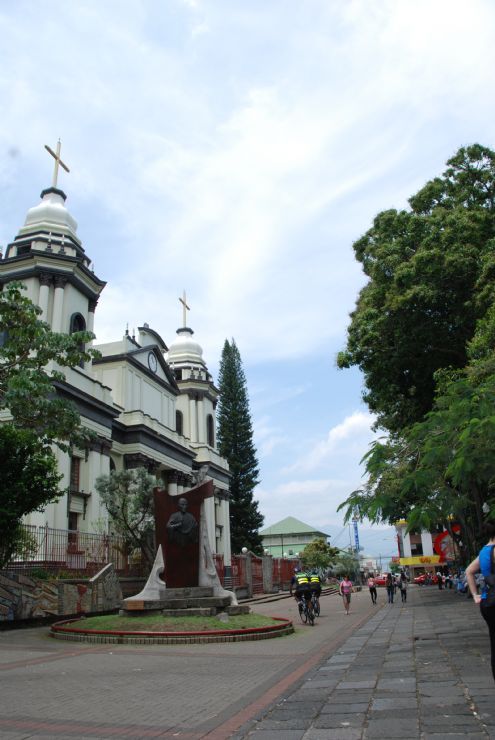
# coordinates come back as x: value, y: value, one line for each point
x: 235, y: 443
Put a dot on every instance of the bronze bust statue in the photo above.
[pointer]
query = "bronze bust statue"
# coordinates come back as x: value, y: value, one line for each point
x: 182, y: 527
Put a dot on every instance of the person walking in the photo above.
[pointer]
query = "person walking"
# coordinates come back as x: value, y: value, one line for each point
x: 345, y: 589
x: 403, y: 587
x: 372, y: 587
x: 390, y: 586
x: 485, y: 563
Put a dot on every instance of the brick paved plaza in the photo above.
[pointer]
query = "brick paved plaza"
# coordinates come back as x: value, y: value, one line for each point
x: 415, y: 671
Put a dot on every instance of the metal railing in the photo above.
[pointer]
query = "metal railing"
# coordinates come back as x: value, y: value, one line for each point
x: 73, y: 552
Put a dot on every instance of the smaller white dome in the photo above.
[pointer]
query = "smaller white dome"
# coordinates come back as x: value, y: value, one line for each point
x: 50, y: 215
x: 184, y: 349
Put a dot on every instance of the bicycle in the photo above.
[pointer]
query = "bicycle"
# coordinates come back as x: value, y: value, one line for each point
x: 306, y: 611
x: 315, y: 600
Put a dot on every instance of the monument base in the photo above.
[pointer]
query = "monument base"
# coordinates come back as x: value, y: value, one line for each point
x: 192, y: 601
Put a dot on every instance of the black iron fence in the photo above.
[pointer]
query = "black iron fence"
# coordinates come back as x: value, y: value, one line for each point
x: 68, y: 552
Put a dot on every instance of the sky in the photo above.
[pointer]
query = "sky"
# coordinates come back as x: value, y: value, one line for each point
x: 236, y: 150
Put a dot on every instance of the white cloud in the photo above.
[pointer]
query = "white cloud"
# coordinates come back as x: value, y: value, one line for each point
x: 267, y: 437
x: 352, y: 435
x: 310, y: 500
x: 237, y: 151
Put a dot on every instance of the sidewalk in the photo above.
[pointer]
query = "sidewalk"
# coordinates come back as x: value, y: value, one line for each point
x: 420, y: 670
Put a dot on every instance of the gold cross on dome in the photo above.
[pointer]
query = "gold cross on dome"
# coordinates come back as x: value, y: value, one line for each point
x: 58, y: 161
x: 185, y: 308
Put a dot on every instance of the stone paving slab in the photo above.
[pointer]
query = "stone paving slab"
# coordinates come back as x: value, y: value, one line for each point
x: 419, y: 671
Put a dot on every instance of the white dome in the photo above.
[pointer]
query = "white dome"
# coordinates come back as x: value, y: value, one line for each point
x: 50, y: 215
x: 185, y: 350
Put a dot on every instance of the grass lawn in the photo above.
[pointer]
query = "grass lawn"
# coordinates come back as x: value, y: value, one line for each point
x: 157, y: 623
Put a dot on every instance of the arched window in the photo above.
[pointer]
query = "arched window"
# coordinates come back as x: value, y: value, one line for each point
x: 210, y: 430
x: 179, y: 423
x: 77, y: 323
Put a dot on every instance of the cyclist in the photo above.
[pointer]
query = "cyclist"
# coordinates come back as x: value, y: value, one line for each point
x: 315, y: 586
x: 301, y: 585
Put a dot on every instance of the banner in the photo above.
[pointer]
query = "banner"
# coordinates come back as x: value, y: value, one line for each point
x: 420, y: 560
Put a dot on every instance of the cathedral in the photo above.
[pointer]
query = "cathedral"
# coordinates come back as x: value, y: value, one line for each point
x: 150, y: 405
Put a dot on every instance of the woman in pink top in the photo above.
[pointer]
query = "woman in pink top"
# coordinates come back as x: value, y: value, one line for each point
x: 345, y: 592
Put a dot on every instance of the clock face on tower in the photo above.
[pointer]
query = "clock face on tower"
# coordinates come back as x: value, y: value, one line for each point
x: 152, y: 362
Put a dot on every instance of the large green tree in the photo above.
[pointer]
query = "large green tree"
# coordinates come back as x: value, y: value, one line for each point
x: 32, y: 358
x: 28, y: 481
x: 431, y: 276
x: 423, y: 334
x: 235, y: 443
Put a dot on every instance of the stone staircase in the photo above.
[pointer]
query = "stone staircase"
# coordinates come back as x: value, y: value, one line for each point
x: 193, y: 601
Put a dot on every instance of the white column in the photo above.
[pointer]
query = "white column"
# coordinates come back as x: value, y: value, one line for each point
x: 406, y: 540
x: 45, y: 282
x: 210, y: 522
x: 227, y: 553
x: 193, y: 436
x: 58, y: 303
x: 91, y: 316
x: 426, y: 542
x: 172, y: 482
x: 60, y: 509
x: 98, y: 464
x: 90, y: 327
x: 201, y: 421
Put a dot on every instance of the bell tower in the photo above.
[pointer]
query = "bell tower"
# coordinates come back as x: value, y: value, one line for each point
x: 48, y: 257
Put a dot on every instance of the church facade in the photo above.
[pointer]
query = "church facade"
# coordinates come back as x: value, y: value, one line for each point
x: 149, y: 404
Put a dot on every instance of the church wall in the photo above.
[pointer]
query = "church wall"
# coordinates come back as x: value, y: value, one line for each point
x: 182, y: 405
x: 32, y: 289
x: 96, y: 514
x: 135, y: 390
x: 88, y: 384
x: 152, y: 401
x: 74, y: 302
x: 110, y: 376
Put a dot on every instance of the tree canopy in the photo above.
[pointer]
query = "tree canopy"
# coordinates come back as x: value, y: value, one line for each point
x: 128, y: 497
x: 235, y: 443
x: 431, y: 276
x: 423, y: 333
x: 346, y: 563
x: 318, y: 554
x: 28, y: 481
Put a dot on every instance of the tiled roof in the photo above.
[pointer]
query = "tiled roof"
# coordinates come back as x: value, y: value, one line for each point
x: 291, y: 525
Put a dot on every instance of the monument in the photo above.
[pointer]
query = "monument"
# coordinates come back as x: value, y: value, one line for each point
x: 184, y: 578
